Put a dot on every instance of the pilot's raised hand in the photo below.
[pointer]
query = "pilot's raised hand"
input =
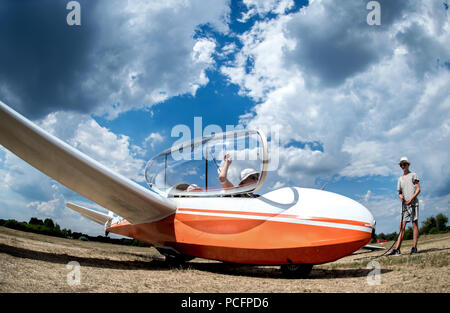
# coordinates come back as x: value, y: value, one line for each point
x: 223, y: 173
x: 227, y: 159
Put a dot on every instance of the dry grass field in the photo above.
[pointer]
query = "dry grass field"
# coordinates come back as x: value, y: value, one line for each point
x: 37, y: 263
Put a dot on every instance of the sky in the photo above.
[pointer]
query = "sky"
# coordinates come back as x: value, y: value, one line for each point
x: 349, y: 97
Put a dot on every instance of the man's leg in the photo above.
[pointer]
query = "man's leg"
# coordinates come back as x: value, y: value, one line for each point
x: 400, y: 235
x: 415, y: 232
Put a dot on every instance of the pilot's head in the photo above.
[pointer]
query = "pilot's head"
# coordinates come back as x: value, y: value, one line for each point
x: 193, y: 187
x: 249, y: 176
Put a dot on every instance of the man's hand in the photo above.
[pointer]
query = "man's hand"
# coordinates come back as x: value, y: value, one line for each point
x: 226, y: 184
x: 415, y: 194
x: 227, y: 159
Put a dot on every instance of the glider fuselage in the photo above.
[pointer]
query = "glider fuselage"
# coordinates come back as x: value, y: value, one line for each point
x: 288, y: 225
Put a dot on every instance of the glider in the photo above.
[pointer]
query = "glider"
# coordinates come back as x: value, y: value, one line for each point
x: 188, y: 211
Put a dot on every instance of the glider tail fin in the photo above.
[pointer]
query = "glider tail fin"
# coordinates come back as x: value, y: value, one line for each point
x: 98, y: 217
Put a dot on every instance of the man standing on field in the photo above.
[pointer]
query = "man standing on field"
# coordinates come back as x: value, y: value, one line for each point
x: 408, y: 189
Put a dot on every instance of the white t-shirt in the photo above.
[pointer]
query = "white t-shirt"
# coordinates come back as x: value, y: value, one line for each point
x: 406, y: 185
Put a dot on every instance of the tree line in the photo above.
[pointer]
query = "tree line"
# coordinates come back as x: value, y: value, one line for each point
x: 432, y: 225
x: 50, y: 228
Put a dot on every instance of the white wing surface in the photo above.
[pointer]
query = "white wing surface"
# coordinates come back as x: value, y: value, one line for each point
x: 373, y: 248
x: 79, y: 172
x: 98, y: 217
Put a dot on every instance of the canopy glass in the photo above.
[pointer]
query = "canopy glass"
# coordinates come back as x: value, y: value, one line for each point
x: 196, y: 168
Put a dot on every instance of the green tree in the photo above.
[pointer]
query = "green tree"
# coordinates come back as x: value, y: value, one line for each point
x: 441, y: 222
x: 433, y: 231
x: 408, y: 234
x: 35, y: 221
x: 428, y: 224
x: 49, y: 223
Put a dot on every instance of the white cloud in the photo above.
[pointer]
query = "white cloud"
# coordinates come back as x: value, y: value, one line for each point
x: 367, y: 95
x: 156, y: 42
x: 85, y: 134
x: 258, y: 67
x: 153, y: 138
x: 262, y: 7
x: 28, y: 192
x: 50, y: 207
x: 109, y: 149
x: 20, y: 178
x: 367, y: 158
x: 367, y: 196
x: 127, y: 55
x: 278, y: 185
x: 202, y: 51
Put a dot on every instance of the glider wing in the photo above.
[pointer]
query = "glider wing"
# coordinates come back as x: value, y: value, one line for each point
x: 79, y: 172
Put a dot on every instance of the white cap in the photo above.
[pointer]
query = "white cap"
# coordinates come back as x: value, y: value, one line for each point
x: 247, y: 172
x: 404, y: 160
x: 192, y: 187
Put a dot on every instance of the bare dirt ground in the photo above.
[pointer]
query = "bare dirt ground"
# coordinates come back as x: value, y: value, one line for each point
x: 37, y: 263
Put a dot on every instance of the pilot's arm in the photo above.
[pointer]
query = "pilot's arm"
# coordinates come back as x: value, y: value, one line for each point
x: 223, y: 173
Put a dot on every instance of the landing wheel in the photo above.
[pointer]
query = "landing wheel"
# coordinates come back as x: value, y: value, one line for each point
x: 296, y: 270
x: 177, y: 260
x: 173, y: 261
x: 173, y: 258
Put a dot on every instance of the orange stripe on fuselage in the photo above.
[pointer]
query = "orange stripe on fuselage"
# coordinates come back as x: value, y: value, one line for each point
x: 316, y: 219
x: 338, y: 221
x: 181, y: 210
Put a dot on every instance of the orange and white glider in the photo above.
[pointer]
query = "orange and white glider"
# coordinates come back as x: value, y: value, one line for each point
x: 188, y: 213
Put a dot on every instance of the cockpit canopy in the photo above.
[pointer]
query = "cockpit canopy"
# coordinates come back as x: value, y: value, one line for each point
x: 192, y: 168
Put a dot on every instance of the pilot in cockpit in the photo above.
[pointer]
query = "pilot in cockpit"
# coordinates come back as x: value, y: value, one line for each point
x: 248, y: 176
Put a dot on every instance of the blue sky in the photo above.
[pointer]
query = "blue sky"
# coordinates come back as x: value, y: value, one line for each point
x: 349, y: 99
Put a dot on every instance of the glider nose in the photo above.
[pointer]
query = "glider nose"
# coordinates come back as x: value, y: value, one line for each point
x: 349, y: 209
x: 373, y: 222
x: 335, y: 208
x: 361, y: 213
x: 370, y: 219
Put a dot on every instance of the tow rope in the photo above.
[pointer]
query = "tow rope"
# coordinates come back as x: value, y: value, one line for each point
x: 396, y: 239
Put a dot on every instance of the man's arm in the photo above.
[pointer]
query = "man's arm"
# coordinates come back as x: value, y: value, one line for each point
x: 226, y: 184
x: 400, y: 195
x: 415, y: 194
